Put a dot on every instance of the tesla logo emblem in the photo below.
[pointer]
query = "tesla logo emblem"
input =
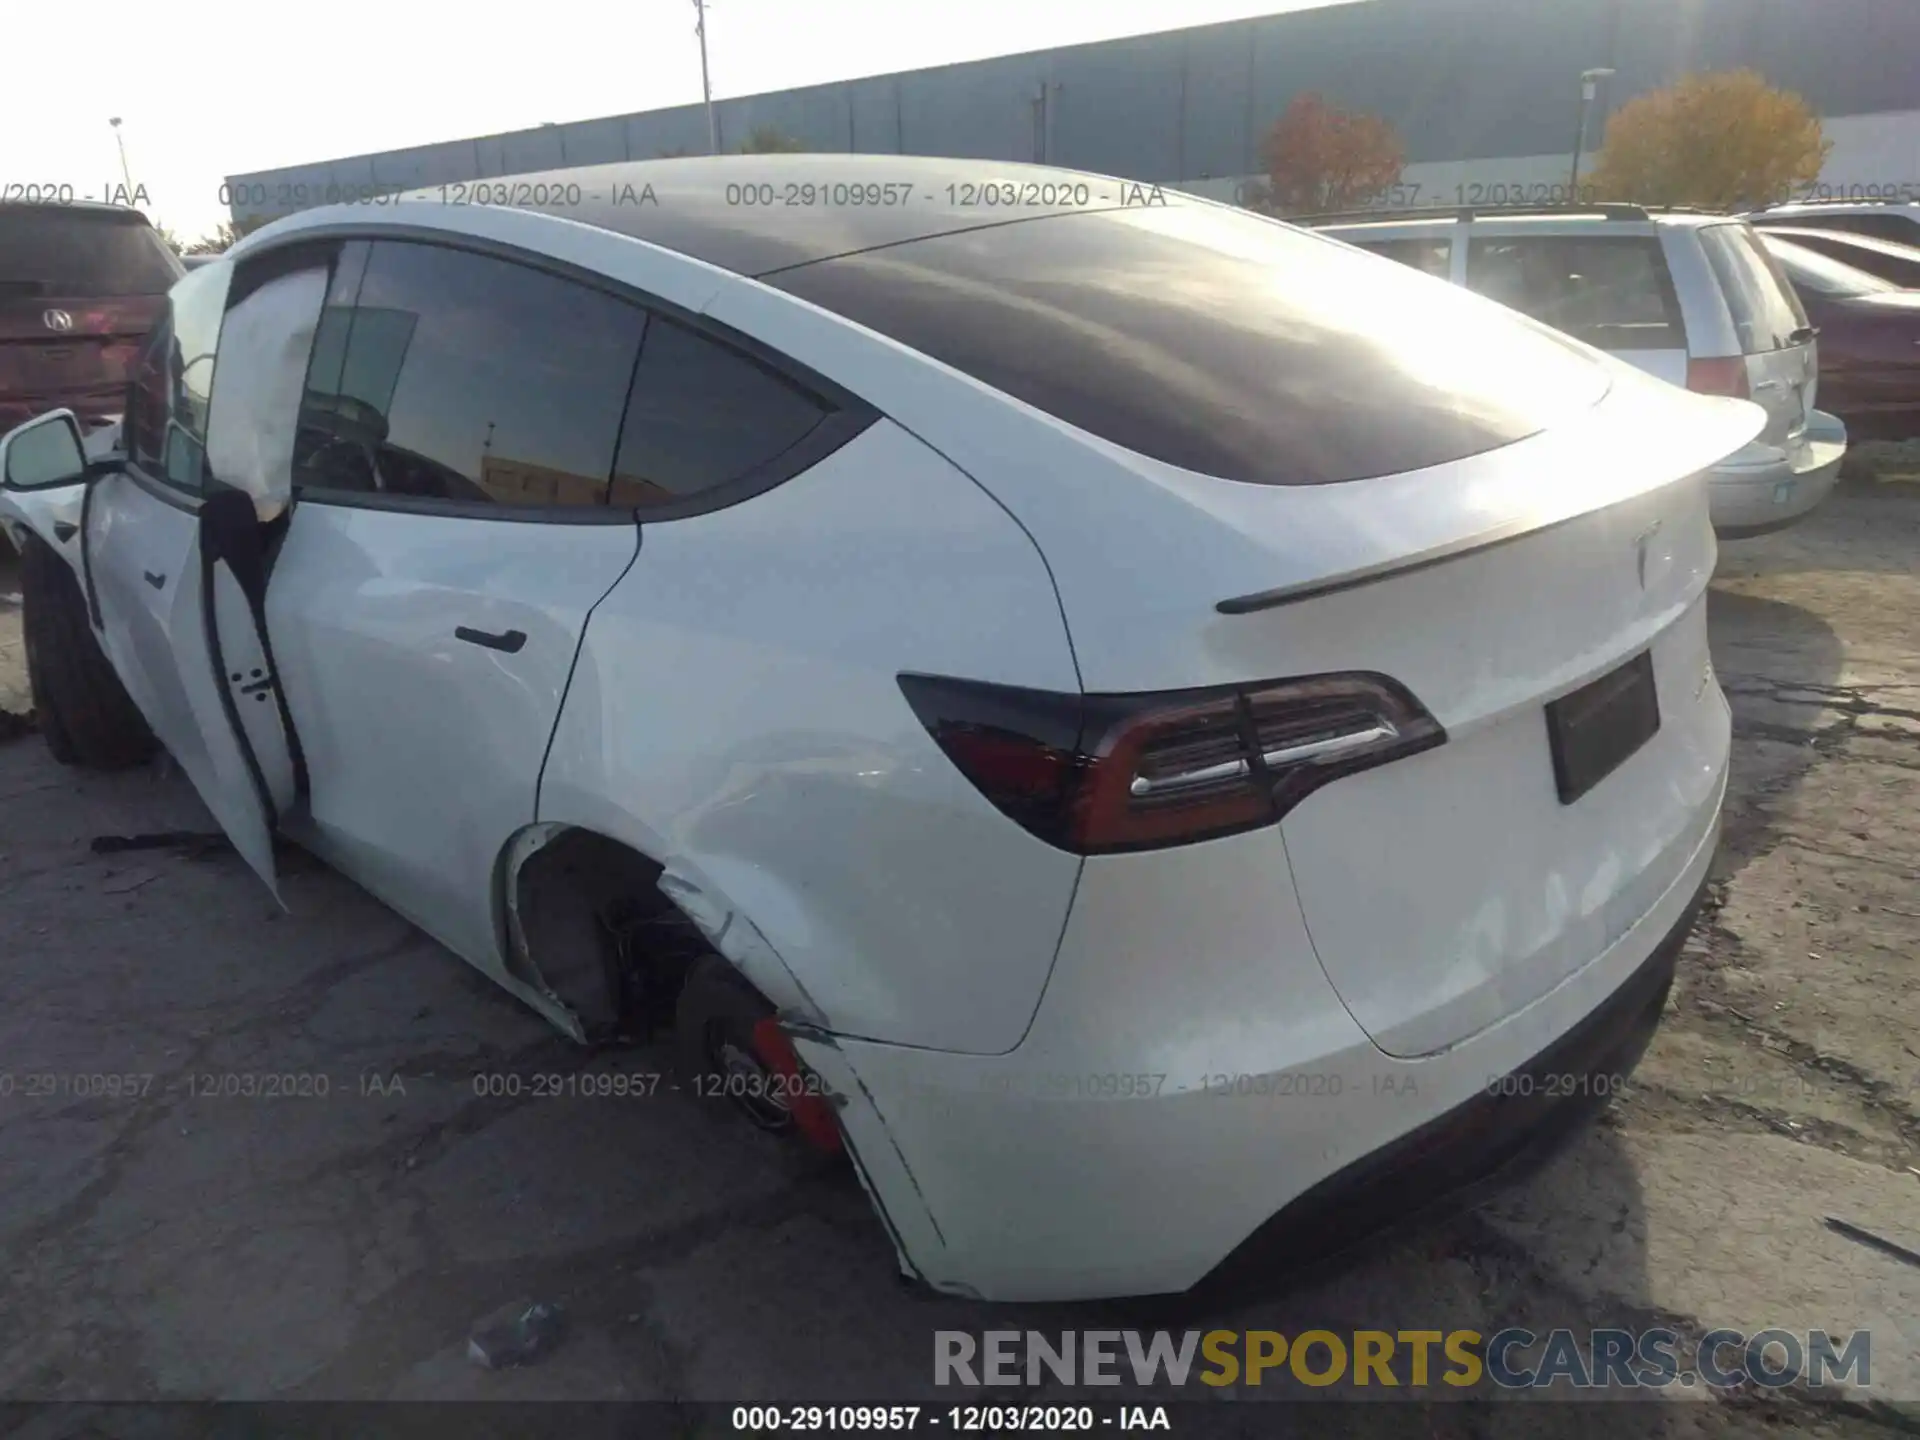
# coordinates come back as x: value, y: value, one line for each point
x: 57, y: 320
x: 1640, y: 543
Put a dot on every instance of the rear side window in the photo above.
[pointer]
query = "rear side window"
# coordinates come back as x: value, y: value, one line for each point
x: 82, y: 254
x: 1759, y: 296
x: 1216, y: 341
x: 1889, y: 261
x: 454, y: 376
x: 1429, y: 257
x: 703, y: 415
x: 1810, y: 270
x: 1611, y: 291
x: 1903, y: 228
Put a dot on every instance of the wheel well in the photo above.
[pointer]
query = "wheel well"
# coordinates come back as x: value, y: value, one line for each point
x: 590, y: 924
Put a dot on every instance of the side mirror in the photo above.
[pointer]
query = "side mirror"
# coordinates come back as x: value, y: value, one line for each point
x: 43, y: 453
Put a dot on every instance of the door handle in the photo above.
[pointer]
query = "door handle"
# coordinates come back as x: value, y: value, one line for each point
x: 510, y: 641
x: 159, y: 582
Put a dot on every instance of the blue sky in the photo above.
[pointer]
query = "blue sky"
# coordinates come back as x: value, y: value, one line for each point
x: 209, y: 88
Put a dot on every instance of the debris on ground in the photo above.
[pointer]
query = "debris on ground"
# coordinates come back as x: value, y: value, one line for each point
x: 1873, y: 1241
x: 194, y: 843
x: 517, y: 1334
x: 127, y: 884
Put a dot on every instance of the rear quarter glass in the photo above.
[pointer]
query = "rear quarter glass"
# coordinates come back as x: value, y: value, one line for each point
x: 1611, y: 291
x: 1218, y: 341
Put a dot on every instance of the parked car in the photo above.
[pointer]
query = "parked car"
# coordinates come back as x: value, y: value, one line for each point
x: 1691, y: 298
x: 1869, y: 341
x: 1896, y: 220
x: 80, y: 286
x: 944, y: 668
x: 1882, y: 258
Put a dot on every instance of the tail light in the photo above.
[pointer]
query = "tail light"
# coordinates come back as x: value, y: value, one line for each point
x: 1719, y: 377
x: 1094, y: 774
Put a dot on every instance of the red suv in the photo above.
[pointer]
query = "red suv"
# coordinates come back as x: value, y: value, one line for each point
x: 80, y: 286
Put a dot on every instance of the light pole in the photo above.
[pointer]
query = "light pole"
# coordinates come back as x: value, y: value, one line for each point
x: 1589, y: 87
x: 706, y: 86
x: 125, y: 174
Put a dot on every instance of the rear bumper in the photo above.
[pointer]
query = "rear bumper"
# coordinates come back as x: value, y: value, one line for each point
x: 1499, y: 1137
x: 1765, y: 487
x: 1158, y: 1129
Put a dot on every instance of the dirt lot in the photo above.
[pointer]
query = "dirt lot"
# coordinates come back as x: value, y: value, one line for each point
x: 179, y: 1245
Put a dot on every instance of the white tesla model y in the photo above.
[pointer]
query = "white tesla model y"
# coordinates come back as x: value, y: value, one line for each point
x: 1167, y: 738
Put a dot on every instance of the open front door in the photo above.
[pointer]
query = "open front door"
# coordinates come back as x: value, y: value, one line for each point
x: 250, y: 769
x: 185, y: 539
x: 217, y: 627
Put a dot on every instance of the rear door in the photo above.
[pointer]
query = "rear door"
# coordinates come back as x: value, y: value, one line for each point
x: 1611, y: 290
x: 79, y: 290
x: 1775, y: 338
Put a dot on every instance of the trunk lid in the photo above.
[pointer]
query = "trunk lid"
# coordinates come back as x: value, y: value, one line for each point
x: 52, y: 344
x: 1448, y: 889
x: 1776, y: 339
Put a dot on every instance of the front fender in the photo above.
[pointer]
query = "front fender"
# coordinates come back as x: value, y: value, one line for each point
x: 53, y: 515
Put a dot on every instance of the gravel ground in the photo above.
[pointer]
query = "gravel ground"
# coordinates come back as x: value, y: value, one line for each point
x: 171, y: 1245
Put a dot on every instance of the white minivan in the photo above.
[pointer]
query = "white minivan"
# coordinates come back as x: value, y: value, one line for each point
x: 1692, y: 298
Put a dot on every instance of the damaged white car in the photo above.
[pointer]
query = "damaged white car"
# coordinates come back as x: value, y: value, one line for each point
x: 1159, y: 733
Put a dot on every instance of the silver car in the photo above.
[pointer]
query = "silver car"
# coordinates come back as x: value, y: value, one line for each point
x: 1694, y: 299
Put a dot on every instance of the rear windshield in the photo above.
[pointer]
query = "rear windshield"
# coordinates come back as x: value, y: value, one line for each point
x: 80, y: 254
x: 1821, y: 273
x: 1612, y: 291
x: 1216, y: 340
x: 1759, y: 296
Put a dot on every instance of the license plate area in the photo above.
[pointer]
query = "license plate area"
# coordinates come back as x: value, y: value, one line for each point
x: 1593, y: 731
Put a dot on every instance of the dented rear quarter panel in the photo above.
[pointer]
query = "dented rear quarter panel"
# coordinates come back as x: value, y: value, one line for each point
x: 735, y: 715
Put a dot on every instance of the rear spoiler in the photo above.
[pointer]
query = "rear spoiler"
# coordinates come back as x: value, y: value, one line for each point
x: 1369, y: 574
x: 1695, y: 447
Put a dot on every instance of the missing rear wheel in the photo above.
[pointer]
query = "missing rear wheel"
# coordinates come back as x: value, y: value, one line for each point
x: 720, y: 1064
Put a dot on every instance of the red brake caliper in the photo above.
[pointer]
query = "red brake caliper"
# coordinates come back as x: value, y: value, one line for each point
x: 811, y: 1112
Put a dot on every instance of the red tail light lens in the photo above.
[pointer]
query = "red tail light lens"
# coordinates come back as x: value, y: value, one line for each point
x: 1093, y: 774
x: 1719, y: 377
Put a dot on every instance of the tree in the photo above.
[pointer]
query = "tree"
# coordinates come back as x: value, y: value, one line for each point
x: 1720, y: 141
x: 225, y: 236
x: 770, y: 140
x: 1320, y: 157
x: 168, y: 238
